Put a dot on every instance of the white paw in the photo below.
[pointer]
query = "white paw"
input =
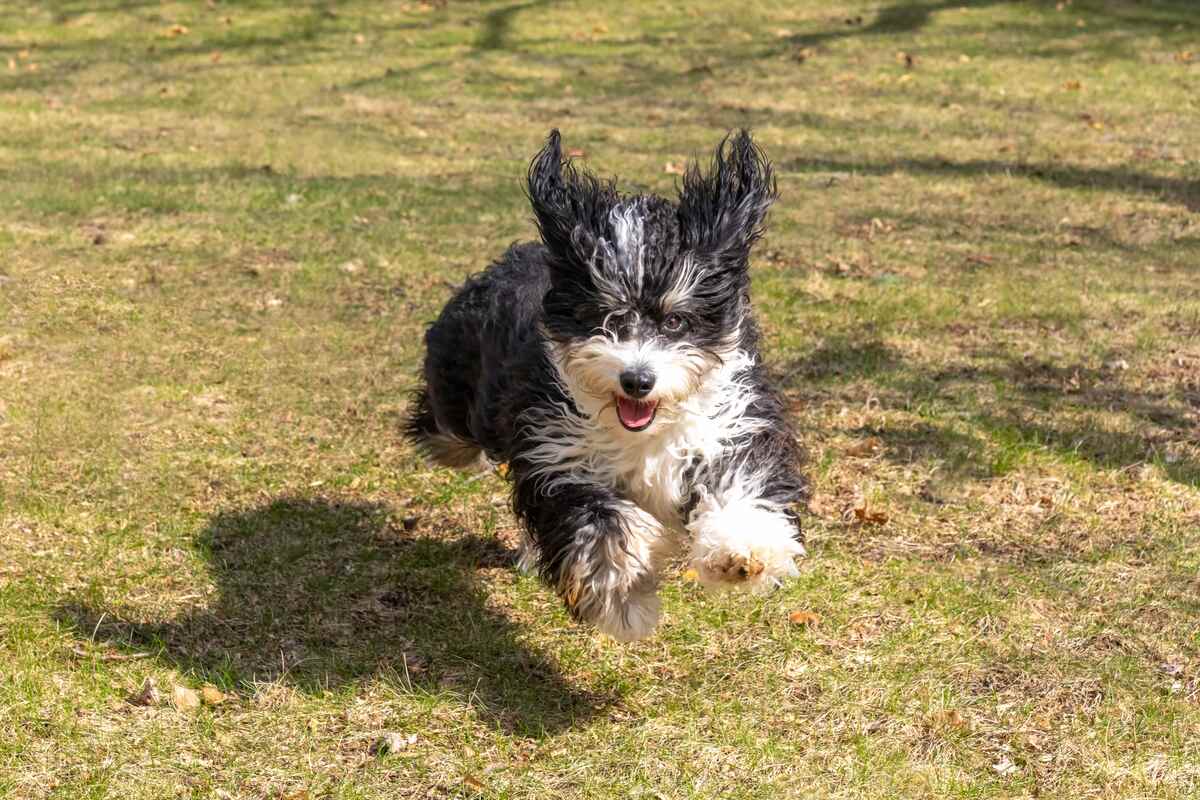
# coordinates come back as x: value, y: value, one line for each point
x: 528, y: 555
x: 744, y: 544
x: 611, y: 581
x: 630, y: 618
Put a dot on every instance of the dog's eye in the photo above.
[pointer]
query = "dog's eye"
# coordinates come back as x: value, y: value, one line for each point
x: 674, y: 323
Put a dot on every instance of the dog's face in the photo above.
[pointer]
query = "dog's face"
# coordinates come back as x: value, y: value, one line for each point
x: 648, y: 297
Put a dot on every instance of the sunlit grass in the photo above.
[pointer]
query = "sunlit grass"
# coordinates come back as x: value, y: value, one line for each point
x: 224, y: 228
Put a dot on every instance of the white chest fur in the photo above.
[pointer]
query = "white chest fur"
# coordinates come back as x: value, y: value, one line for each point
x: 649, y: 467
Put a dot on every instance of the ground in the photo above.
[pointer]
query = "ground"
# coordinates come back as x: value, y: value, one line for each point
x: 224, y: 227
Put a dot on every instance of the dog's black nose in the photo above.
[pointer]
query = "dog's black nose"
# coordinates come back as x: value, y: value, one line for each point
x: 637, y: 383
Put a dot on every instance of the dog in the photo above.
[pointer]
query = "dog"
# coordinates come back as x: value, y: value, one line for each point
x: 615, y: 367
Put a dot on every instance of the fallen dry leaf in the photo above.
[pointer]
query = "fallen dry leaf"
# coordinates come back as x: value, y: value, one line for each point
x: 950, y: 718
x: 865, y: 448
x: 868, y: 516
x: 1005, y: 766
x: 805, y: 618
x: 673, y: 168
x: 211, y: 695
x: 175, y: 30
x: 184, y: 699
x: 1072, y: 86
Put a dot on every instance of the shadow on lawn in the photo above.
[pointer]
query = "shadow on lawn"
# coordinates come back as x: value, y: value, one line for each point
x: 1182, y: 191
x: 911, y: 17
x: 1040, y: 405
x: 318, y: 594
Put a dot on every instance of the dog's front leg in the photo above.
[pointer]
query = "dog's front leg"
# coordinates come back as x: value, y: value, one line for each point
x: 599, y: 551
x: 743, y: 529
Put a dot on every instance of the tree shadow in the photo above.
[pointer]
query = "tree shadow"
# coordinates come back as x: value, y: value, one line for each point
x: 497, y: 23
x: 1040, y: 405
x: 1182, y: 191
x: 319, y: 594
x: 912, y: 17
x: 840, y: 356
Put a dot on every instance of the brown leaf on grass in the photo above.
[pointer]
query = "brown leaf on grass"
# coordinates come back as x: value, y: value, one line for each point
x: 211, y: 695
x: 576, y: 152
x: 215, y: 56
x: 184, y: 699
x: 360, y: 39
x: 950, y: 718
x: 148, y: 695
x: 1185, y: 56
x: 474, y: 783
x: 1072, y: 86
x: 804, y: 618
x: 175, y: 30
x: 673, y: 168
x: 866, y: 516
x: 865, y: 447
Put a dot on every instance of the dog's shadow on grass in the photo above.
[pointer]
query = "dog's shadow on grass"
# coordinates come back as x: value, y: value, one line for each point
x: 320, y: 594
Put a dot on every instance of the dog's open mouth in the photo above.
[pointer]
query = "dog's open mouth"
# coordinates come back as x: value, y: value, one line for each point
x: 636, y: 415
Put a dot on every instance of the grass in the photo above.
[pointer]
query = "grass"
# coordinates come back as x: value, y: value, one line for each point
x: 225, y: 226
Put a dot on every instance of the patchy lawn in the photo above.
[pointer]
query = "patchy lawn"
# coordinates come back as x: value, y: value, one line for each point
x: 224, y: 227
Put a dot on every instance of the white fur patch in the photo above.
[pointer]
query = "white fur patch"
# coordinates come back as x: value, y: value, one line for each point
x: 696, y: 420
x: 612, y: 580
x: 738, y: 539
x: 528, y: 554
x: 687, y: 277
x: 628, y: 233
x: 618, y: 266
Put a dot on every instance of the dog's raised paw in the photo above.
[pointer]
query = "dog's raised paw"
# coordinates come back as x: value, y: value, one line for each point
x: 734, y: 567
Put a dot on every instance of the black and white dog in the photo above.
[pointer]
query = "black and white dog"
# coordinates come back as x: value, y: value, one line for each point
x: 614, y: 366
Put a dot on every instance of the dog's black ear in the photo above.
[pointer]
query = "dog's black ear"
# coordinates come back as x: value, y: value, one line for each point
x: 548, y: 193
x: 569, y: 205
x: 721, y: 211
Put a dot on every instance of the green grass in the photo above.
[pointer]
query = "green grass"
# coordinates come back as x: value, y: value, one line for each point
x: 220, y: 245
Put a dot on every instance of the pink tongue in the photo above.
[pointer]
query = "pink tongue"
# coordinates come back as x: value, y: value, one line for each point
x: 634, y: 413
